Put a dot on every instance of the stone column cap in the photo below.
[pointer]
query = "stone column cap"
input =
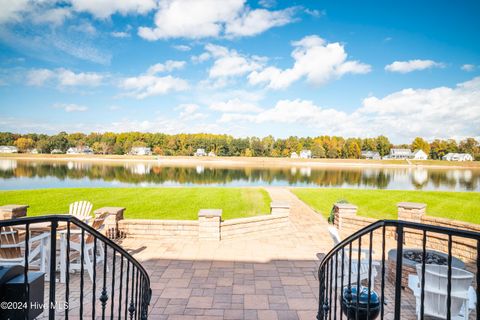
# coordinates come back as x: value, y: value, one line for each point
x: 279, y: 204
x: 210, y: 213
x: 14, y: 207
x: 345, y: 206
x: 411, y: 205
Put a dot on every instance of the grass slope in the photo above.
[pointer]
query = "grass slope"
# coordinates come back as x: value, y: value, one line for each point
x: 147, y: 203
x: 381, y: 204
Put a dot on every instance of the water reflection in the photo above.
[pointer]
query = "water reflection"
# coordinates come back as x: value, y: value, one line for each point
x: 21, y: 174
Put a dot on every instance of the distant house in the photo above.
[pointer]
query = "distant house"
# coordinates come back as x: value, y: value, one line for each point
x: 56, y: 151
x: 8, y: 149
x: 80, y: 150
x: 141, y: 151
x: 457, y: 157
x: 420, y: 155
x: 200, y: 153
x: 371, y: 155
x: 400, y: 154
x: 212, y: 154
x: 33, y: 151
x: 294, y: 155
x: 305, y: 154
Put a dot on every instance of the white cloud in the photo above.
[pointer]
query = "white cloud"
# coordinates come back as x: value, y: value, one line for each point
x: 55, y: 16
x: 314, y: 13
x: 182, y: 47
x: 70, y: 107
x: 208, y: 18
x: 38, y: 77
x: 316, y: 60
x: 69, y: 78
x: 267, y: 3
x: 10, y: 11
x: 468, y: 67
x: 168, y: 66
x: 235, y: 106
x: 253, y: 22
x: 77, y: 48
x: 229, y: 63
x: 150, y: 84
x: 147, y: 85
x: 63, y: 77
x: 290, y: 111
x: 105, y: 8
x: 84, y: 27
x: 38, y: 12
x: 120, y: 34
x: 412, y: 65
x: 441, y: 112
x: 189, y: 112
x: 201, y: 57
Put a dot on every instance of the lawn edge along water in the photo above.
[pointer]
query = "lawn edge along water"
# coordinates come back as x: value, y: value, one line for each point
x: 382, y: 204
x: 147, y: 203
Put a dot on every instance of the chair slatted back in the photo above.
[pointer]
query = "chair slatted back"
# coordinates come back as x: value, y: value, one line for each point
x: 436, y: 282
x: 81, y: 210
x: 97, y: 224
x: 9, y: 236
x: 334, y: 235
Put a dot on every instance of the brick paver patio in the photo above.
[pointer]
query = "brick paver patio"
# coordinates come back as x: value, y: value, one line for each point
x: 259, y: 276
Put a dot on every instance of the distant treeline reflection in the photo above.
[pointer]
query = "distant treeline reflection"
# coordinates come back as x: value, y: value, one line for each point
x: 137, y: 173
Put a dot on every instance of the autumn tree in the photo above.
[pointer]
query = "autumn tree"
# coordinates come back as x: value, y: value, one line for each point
x: 24, y: 144
x: 421, y: 144
x: 383, y: 145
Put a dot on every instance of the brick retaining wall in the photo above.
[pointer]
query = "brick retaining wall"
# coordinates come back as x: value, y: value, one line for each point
x: 153, y: 229
x: 239, y: 227
x: 347, y: 221
x: 209, y: 225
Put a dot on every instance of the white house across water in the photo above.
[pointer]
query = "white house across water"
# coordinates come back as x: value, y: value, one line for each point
x: 200, y: 153
x: 141, y: 151
x: 457, y: 157
x: 8, y: 149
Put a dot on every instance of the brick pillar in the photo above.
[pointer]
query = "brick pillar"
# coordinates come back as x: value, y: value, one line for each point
x: 341, y: 210
x: 114, y: 214
x: 279, y: 208
x: 411, y: 211
x: 13, y: 211
x: 209, y: 224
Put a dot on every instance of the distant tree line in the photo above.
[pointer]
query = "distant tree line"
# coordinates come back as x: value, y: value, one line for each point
x: 226, y: 145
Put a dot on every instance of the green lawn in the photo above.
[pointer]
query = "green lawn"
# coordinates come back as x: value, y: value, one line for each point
x: 381, y: 204
x: 147, y: 203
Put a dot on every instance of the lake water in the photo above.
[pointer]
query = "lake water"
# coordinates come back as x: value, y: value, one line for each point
x: 35, y: 174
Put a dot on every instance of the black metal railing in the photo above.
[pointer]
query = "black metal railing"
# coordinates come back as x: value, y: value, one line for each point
x: 360, y: 279
x: 86, y: 274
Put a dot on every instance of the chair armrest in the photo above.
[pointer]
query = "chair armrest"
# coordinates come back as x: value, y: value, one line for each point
x: 413, y: 284
x: 472, y: 298
x: 40, y: 236
x: 72, y: 231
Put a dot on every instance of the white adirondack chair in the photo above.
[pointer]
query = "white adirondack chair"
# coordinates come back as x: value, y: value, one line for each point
x: 364, y: 263
x: 463, y: 297
x: 76, y: 249
x: 81, y: 210
x: 12, y: 248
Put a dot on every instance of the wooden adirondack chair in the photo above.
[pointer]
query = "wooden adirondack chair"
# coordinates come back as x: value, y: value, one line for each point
x: 76, y: 249
x: 12, y: 248
x: 81, y: 210
x: 463, y: 297
x: 364, y: 263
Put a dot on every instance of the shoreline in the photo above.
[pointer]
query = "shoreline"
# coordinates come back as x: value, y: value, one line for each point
x: 248, y: 161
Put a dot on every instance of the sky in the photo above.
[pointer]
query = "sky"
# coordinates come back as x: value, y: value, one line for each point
x: 304, y: 68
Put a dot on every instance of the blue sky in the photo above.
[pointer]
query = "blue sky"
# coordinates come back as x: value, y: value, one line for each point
x: 242, y: 67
